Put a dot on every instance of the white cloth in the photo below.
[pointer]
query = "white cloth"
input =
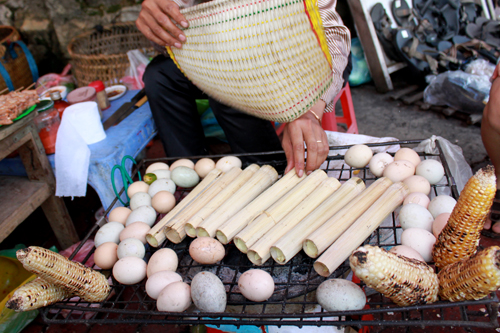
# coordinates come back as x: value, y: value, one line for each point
x: 80, y: 126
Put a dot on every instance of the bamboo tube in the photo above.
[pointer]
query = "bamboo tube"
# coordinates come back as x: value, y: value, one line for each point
x: 268, y: 218
x: 208, y: 208
x: 175, y: 227
x: 324, y: 236
x: 235, y: 224
x: 262, y: 179
x: 291, y: 243
x: 156, y: 236
x: 353, y: 237
x: 260, y: 251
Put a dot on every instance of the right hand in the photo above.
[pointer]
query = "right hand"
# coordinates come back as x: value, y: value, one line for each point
x: 495, y: 73
x: 155, y: 21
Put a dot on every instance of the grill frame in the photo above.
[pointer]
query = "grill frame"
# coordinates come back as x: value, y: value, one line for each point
x: 131, y: 305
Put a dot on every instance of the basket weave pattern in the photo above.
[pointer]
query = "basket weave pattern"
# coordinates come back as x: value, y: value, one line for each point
x: 18, y: 68
x: 103, y: 55
x: 266, y: 58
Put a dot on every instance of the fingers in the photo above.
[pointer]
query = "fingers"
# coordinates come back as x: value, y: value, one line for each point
x: 295, y: 131
x: 286, y: 143
x: 156, y: 22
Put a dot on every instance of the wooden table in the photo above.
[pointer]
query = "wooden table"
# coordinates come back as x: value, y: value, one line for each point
x: 20, y: 196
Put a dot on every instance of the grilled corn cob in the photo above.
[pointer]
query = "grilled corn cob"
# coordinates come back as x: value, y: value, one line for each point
x: 460, y: 237
x: 403, y: 280
x: 472, y: 278
x: 36, y: 294
x: 88, y: 284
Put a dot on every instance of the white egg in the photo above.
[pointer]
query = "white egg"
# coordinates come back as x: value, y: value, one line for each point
x: 407, y: 154
x: 420, y: 240
x: 162, y: 174
x: 140, y: 199
x: 204, y: 166
x: 407, y: 252
x: 159, y: 280
x: 378, y: 163
x: 110, y: 232
x: 175, y: 297
x: 227, y: 163
x: 441, y: 204
x: 358, y: 156
x: 163, y: 184
x: 340, y: 295
x: 256, y: 285
x: 135, y: 230
x: 208, y: 292
x: 162, y: 260
x: 182, y: 162
x: 129, y: 270
x: 398, y: 171
x: 138, y: 186
x: 145, y: 214
x: 417, y: 198
x: 185, y: 177
x: 415, y: 216
x: 131, y: 247
x: 119, y: 214
x: 432, y: 170
x: 418, y: 184
x: 157, y: 166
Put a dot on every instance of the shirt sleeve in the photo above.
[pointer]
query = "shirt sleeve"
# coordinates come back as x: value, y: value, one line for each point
x: 338, y: 39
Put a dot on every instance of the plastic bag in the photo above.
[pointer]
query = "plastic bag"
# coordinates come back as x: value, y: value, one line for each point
x: 52, y: 79
x: 453, y: 154
x: 480, y: 67
x: 459, y: 90
x: 360, y: 73
x: 133, y: 76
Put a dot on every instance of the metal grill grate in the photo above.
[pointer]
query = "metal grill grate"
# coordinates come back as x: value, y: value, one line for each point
x: 293, y: 302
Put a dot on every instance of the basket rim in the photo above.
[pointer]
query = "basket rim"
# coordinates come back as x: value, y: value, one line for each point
x: 90, y: 32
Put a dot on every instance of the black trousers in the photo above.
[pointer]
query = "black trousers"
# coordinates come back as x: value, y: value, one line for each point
x: 172, y: 99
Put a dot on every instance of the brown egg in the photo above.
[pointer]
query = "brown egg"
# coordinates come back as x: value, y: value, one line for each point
x: 407, y: 154
x: 206, y: 250
x: 105, y: 255
x: 138, y: 186
x: 135, y: 230
x: 418, y: 184
x: 119, y: 214
x: 398, y: 171
x: 163, y: 202
x: 204, y: 166
x: 182, y: 162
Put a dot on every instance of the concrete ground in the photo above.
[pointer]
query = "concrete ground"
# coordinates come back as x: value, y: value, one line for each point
x: 378, y: 115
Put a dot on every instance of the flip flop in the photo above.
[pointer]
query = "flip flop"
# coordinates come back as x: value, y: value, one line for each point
x: 469, y: 11
x: 402, y: 13
x: 450, y: 19
x: 385, y: 34
x: 417, y: 55
x: 494, y: 217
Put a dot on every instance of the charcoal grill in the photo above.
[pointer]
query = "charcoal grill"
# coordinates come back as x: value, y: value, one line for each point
x: 293, y: 303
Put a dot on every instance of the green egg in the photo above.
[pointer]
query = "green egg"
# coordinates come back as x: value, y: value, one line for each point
x: 184, y: 176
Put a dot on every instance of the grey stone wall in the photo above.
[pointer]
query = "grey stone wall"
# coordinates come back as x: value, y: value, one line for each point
x: 47, y: 26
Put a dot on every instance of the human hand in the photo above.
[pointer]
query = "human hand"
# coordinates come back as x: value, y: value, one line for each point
x: 156, y: 21
x: 495, y: 72
x: 305, y: 129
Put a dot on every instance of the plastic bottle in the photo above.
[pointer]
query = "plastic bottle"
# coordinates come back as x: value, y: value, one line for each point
x: 102, y: 97
x: 47, y: 123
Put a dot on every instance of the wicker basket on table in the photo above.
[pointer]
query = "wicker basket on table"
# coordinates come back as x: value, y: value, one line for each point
x: 102, y: 55
x: 268, y: 58
x: 15, y: 61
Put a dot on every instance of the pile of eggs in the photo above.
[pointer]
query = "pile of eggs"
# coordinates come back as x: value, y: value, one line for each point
x: 121, y: 243
x: 421, y: 218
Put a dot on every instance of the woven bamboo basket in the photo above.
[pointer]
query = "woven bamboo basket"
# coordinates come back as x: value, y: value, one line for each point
x: 103, y: 55
x: 268, y: 58
x: 18, y: 68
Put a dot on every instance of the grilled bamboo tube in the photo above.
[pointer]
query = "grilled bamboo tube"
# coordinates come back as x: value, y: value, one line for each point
x: 267, y: 219
x: 291, y: 243
x: 324, y: 236
x: 156, y: 236
x: 88, y: 284
x: 473, y: 278
x: 262, y: 179
x: 460, y: 237
x: 403, y: 280
x: 209, y: 207
x: 36, y: 294
x: 235, y: 224
x: 357, y: 233
x: 259, y: 252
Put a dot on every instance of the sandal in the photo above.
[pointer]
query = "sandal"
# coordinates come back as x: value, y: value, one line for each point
x: 385, y: 34
x: 402, y: 13
x: 494, y: 217
x: 418, y: 56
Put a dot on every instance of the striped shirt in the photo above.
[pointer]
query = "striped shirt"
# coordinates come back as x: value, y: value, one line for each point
x: 338, y: 39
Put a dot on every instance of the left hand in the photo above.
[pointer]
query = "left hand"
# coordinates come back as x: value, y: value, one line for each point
x: 305, y: 129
